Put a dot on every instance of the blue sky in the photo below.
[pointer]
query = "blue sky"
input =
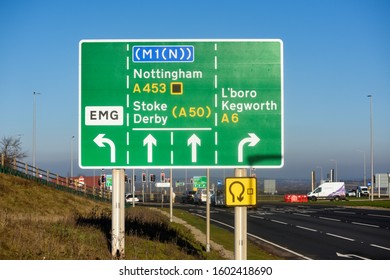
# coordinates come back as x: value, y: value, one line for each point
x: 335, y: 54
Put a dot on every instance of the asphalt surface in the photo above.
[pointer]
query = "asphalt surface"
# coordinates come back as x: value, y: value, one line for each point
x: 311, y: 231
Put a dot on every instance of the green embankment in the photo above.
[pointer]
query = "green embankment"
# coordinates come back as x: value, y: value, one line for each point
x: 40, y: 222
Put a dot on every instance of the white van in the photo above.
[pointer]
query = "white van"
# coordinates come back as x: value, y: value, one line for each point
x: 329, y: 190
x: 362, y: 191
x: 201, y: 196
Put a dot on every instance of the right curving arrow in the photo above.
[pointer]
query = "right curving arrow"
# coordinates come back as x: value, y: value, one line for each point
x: 252, y: 140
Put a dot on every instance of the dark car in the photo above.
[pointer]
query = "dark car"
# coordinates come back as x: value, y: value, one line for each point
x: 188, y: 197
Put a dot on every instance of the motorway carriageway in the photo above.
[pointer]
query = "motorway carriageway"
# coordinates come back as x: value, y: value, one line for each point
x: 314, y: 232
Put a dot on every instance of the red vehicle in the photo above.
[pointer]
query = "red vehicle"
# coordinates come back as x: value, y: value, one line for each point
x: 295, y: 198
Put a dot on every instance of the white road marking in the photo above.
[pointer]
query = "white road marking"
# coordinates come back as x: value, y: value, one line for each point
x: 377, y: 215
x: 256, y: 217
x: 330, y: 219
x: 366, y: 225
x: 306, y: 228
x: 339, y: 236
x: 279, y: 222
x: 381, y: 247
x: 345, y: 212
x: 264, y: 240
x: 299, y: 214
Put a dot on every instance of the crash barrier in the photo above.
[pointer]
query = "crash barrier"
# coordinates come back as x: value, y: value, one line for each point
x: 24, y: 170
x: 295, y: 198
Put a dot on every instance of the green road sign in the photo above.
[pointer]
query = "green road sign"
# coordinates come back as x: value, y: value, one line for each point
x: 181, y: 103
x: 199, y: 182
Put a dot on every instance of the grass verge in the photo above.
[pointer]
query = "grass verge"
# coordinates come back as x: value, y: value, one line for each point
x: 39, y: 222
x: 222, y: 236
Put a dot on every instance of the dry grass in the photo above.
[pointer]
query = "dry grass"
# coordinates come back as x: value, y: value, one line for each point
x: 39, y: 222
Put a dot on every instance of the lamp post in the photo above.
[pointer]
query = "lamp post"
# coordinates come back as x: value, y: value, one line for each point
x: 372, y: 149
x: 364, y: 166
x: 34, y: 128
x: 335, y: 169
x: 71, y: 157
x: 320, y: 167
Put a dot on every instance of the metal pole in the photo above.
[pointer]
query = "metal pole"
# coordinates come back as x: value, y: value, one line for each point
x: 171, y: 198
x: 143, y: 184
x: 313, y: 180
x: 372, y: 149
x: 364, y: 167
x: 240, y: 225
x: 335, y: 161
x: 133, y: 188
x: 208, y: 210
x: 388, y: 185
x: 118, y: 214
x: 147, y: 181
x: 320, y: 167
x: 186, y: 179
x: 71, y: 156
x: 94, y: 179
x: 364, y: 171
x: 34, y: 129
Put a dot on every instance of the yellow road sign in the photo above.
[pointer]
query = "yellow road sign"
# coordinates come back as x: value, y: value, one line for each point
x: 240, y: 191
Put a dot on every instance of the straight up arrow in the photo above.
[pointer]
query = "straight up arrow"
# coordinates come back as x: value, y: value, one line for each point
x: 150, y: 141
x: 252, y: 140
x: 193, y: 141
x: 100, y: 140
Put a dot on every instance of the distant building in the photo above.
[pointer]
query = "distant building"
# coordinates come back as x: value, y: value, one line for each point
x: 270, y: 186
x: 382, y: 183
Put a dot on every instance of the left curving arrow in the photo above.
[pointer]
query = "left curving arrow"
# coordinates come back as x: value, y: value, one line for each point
x: 100, y: 140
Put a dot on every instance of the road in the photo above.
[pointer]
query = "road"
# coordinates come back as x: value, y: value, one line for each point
x: 314, y: 232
